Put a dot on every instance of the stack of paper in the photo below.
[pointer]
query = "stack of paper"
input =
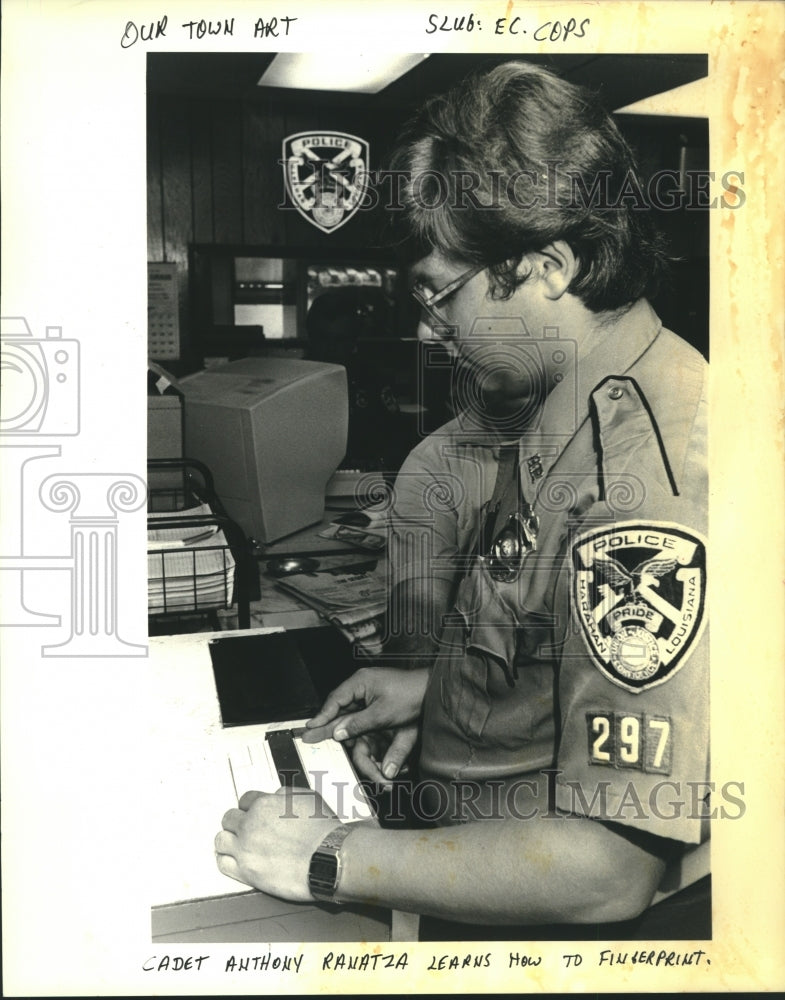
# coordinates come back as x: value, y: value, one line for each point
x: 188, y: 567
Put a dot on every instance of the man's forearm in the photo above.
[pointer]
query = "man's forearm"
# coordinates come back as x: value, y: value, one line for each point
x: 545, y: 871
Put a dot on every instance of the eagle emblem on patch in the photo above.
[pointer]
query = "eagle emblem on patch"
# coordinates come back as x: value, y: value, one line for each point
x: 326, y: 176
x: 639, y: 594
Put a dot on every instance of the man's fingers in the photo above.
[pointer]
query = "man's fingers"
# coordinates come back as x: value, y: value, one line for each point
x: 346, y: 697
x: 346, y: 727
x: 398, y: 751
x: 225, y: 842
x: 228, y: 866
x: 367, y: 721
x: 247, y: 799
x: 330, y: 710
x: 317, y: 734
x: 232, y: 820
x: 366, y: 763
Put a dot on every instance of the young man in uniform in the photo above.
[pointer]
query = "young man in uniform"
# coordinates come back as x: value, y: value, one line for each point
x: 548, y: 671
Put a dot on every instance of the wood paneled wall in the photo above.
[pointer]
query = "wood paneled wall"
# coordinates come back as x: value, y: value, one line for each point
x: 214, y: 176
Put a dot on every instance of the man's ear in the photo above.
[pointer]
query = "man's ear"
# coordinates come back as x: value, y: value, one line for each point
x: 555, y: 266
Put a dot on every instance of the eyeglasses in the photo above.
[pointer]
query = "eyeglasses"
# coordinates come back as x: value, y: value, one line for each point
x: 429, y: 302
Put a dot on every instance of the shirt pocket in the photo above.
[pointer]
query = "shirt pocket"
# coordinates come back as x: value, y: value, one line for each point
x: 478, y: 678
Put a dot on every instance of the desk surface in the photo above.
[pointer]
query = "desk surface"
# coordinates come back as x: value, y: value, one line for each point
x: 278, y: 609
x: 309, y: 542
x: 192, y: 789
x: 191, y: 781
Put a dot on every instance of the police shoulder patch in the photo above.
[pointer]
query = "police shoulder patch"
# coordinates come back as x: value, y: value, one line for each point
x: 639, y: 594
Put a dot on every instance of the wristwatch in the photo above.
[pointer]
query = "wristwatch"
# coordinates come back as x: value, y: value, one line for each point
x: 324, y: 871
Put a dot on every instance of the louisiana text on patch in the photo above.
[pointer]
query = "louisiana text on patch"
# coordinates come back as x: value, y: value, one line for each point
x: 639, y: 594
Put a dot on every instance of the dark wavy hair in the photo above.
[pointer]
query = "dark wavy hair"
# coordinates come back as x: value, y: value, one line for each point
x: 519, y: 122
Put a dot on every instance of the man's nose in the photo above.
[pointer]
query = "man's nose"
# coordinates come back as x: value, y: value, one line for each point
x: 427, y: 329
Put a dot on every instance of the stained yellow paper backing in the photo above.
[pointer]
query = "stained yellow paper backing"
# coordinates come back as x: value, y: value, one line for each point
x: 76, y: 824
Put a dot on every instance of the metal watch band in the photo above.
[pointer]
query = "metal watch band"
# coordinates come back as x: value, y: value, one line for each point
x: 324, y: 871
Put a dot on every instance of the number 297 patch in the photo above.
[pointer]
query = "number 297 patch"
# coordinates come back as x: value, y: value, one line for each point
x: 637, y: 741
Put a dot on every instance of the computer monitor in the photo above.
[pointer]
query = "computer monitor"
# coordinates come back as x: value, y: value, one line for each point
x: 272, y: 431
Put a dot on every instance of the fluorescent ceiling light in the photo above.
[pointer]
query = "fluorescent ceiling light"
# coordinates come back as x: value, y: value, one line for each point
x: 688, y: 101
x: 363, y: 73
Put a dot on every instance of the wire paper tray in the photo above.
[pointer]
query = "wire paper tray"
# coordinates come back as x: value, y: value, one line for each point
x: 190, y: 565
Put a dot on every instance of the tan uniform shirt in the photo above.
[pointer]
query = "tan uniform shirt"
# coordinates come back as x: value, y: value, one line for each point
x: 593, y: 665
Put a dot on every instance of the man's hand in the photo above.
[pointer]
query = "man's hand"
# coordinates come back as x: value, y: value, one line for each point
x: 380, y: 756
x: 371, y: 701
x: 268, y: 841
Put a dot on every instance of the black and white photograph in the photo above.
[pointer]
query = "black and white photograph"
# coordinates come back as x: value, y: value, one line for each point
x: 377, y: 603
x: 354, y: 351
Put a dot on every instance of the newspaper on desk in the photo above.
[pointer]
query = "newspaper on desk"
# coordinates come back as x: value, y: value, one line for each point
x: 354, y: 600
x: 188, y: 568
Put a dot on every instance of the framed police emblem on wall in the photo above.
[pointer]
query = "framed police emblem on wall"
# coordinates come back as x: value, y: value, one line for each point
x: 326, y: 176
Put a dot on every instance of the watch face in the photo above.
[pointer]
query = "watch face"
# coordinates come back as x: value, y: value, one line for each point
x: 323, y: 874
x: 324, y: 867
